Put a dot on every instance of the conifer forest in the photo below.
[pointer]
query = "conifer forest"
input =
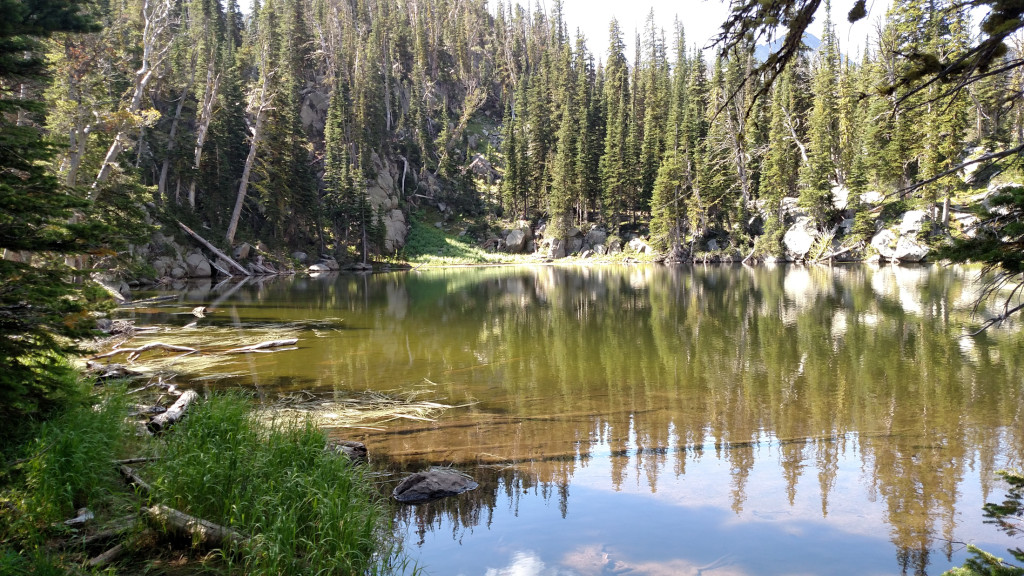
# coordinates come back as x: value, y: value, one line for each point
x: 269, y: 124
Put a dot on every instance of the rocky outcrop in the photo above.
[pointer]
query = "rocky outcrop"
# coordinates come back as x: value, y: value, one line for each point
x: 901, y: 243
x: 432, y: 484
x: 384, y: 197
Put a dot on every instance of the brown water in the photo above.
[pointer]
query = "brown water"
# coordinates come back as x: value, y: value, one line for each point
x: 652, y: 420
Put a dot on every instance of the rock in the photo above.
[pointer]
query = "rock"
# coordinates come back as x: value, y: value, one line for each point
x: 163, y: 265
x: 178, y: 272
x: 596, y: 237
x: 713, y: 245
x: 433, y: 484
x: 379, y: 199
x: 587, y: 254
x: 556, y: 248
x: 790, y: 209
x: 885, y: 243
x: 198, y: 266
x: 354, y: 451
x: 395, y: 231
x: 615, y: 246
x: 515, y: 241
x: 872, y: 198
x: 910, y: 250
x: 677, y: 255
x: 318, y: 268
x: 575, y: 245
x: 639, y: 246
x: 600, y: 249
x: 840, y: 198
x: 799, y: 239
x: 331, y: 264
x: 573, y: 232
x: 913, y: 220
x: 300, y: 257
x: 242, y: 251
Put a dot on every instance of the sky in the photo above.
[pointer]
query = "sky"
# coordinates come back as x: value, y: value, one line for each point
x: 701, y: 20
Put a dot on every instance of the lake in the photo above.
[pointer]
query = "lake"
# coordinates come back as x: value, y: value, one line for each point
x: 718, y: 420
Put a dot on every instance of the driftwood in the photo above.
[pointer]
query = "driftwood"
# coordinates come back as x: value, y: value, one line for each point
x: 142, y: 460
x: 262, y: 346
x: 145, y: 301
x: 107, y: 558
x: 133, y: 478
x: 215, y: 250
x: 832, y: 255
x: 205, y: 532
x: 161, y: 422
x: 134, y: 353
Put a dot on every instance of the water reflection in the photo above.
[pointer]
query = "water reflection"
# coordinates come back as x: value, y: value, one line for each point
x: 721, y: 420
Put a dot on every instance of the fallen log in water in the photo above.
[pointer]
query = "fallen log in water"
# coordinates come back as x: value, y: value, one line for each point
x: 203, y: 531
x: 215, y: 250
x: 263, y: 346
x: 161, y: 422
x: 134, y: 353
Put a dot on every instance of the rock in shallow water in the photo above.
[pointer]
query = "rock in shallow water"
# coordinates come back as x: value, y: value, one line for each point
x: 432, y: 484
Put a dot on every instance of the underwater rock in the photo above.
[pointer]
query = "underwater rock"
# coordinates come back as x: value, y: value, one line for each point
x: 432, y: 484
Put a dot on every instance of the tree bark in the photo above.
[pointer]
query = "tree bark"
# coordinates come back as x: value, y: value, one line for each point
x: 175, y: 413
x: 216, y: 251
x: 181, y: 524
x: 205, y: 118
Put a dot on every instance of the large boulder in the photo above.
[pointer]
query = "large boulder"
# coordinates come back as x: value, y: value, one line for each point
x: 596, y: 237
x: 574, y: 245
x: 198, y: 266
x: 163, y: 266
x: 516, y: 241
x: 799, y: 239
x: 639, y: 246
x: 885, y: 243
x: 913, y: 221
x: 556, y: 248
x: 432, y: 484
x: 910, y: 250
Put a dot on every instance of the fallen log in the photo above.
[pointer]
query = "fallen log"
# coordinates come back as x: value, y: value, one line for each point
x: 147, y: 301
x: 161, y: 422
x: 133, y: 478
x: 202, y: 531
x: 134, y: 353
x: 215, y: 250
x: 262, y: 346
x: 107, y: 558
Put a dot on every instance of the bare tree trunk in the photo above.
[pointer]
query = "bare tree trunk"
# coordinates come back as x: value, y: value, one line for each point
x: 202, y: 130
x: 157, y: 20
x: 161, y: 189
x: 243, y: 187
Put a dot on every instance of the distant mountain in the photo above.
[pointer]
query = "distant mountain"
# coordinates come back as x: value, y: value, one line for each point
x: 762, y: 51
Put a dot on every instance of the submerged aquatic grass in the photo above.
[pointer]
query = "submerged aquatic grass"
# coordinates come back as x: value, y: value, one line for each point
x: 306, y: 511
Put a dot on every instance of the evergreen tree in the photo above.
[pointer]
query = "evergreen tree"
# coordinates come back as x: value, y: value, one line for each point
x: 615, y: 170
x: 819, y: 173
x: 41, y: 223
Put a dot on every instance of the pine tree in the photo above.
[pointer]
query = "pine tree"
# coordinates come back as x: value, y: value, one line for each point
x: 615, y: 172
x: 41, y: 223
x: 819, y: 173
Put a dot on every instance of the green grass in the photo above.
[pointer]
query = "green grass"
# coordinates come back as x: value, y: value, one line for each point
x: 307, y: 511
x: 431, y: 246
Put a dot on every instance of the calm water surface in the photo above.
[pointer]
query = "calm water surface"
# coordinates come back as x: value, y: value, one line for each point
x: 650, y: 420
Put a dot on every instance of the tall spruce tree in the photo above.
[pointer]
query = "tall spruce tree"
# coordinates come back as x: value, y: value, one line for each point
x: 41, y: 223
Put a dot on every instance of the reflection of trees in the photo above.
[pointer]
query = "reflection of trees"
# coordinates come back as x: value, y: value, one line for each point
x: 668, y: 365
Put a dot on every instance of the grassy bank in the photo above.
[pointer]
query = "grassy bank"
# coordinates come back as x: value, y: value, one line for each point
x: 428, y: 246
x: 303, y: 510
